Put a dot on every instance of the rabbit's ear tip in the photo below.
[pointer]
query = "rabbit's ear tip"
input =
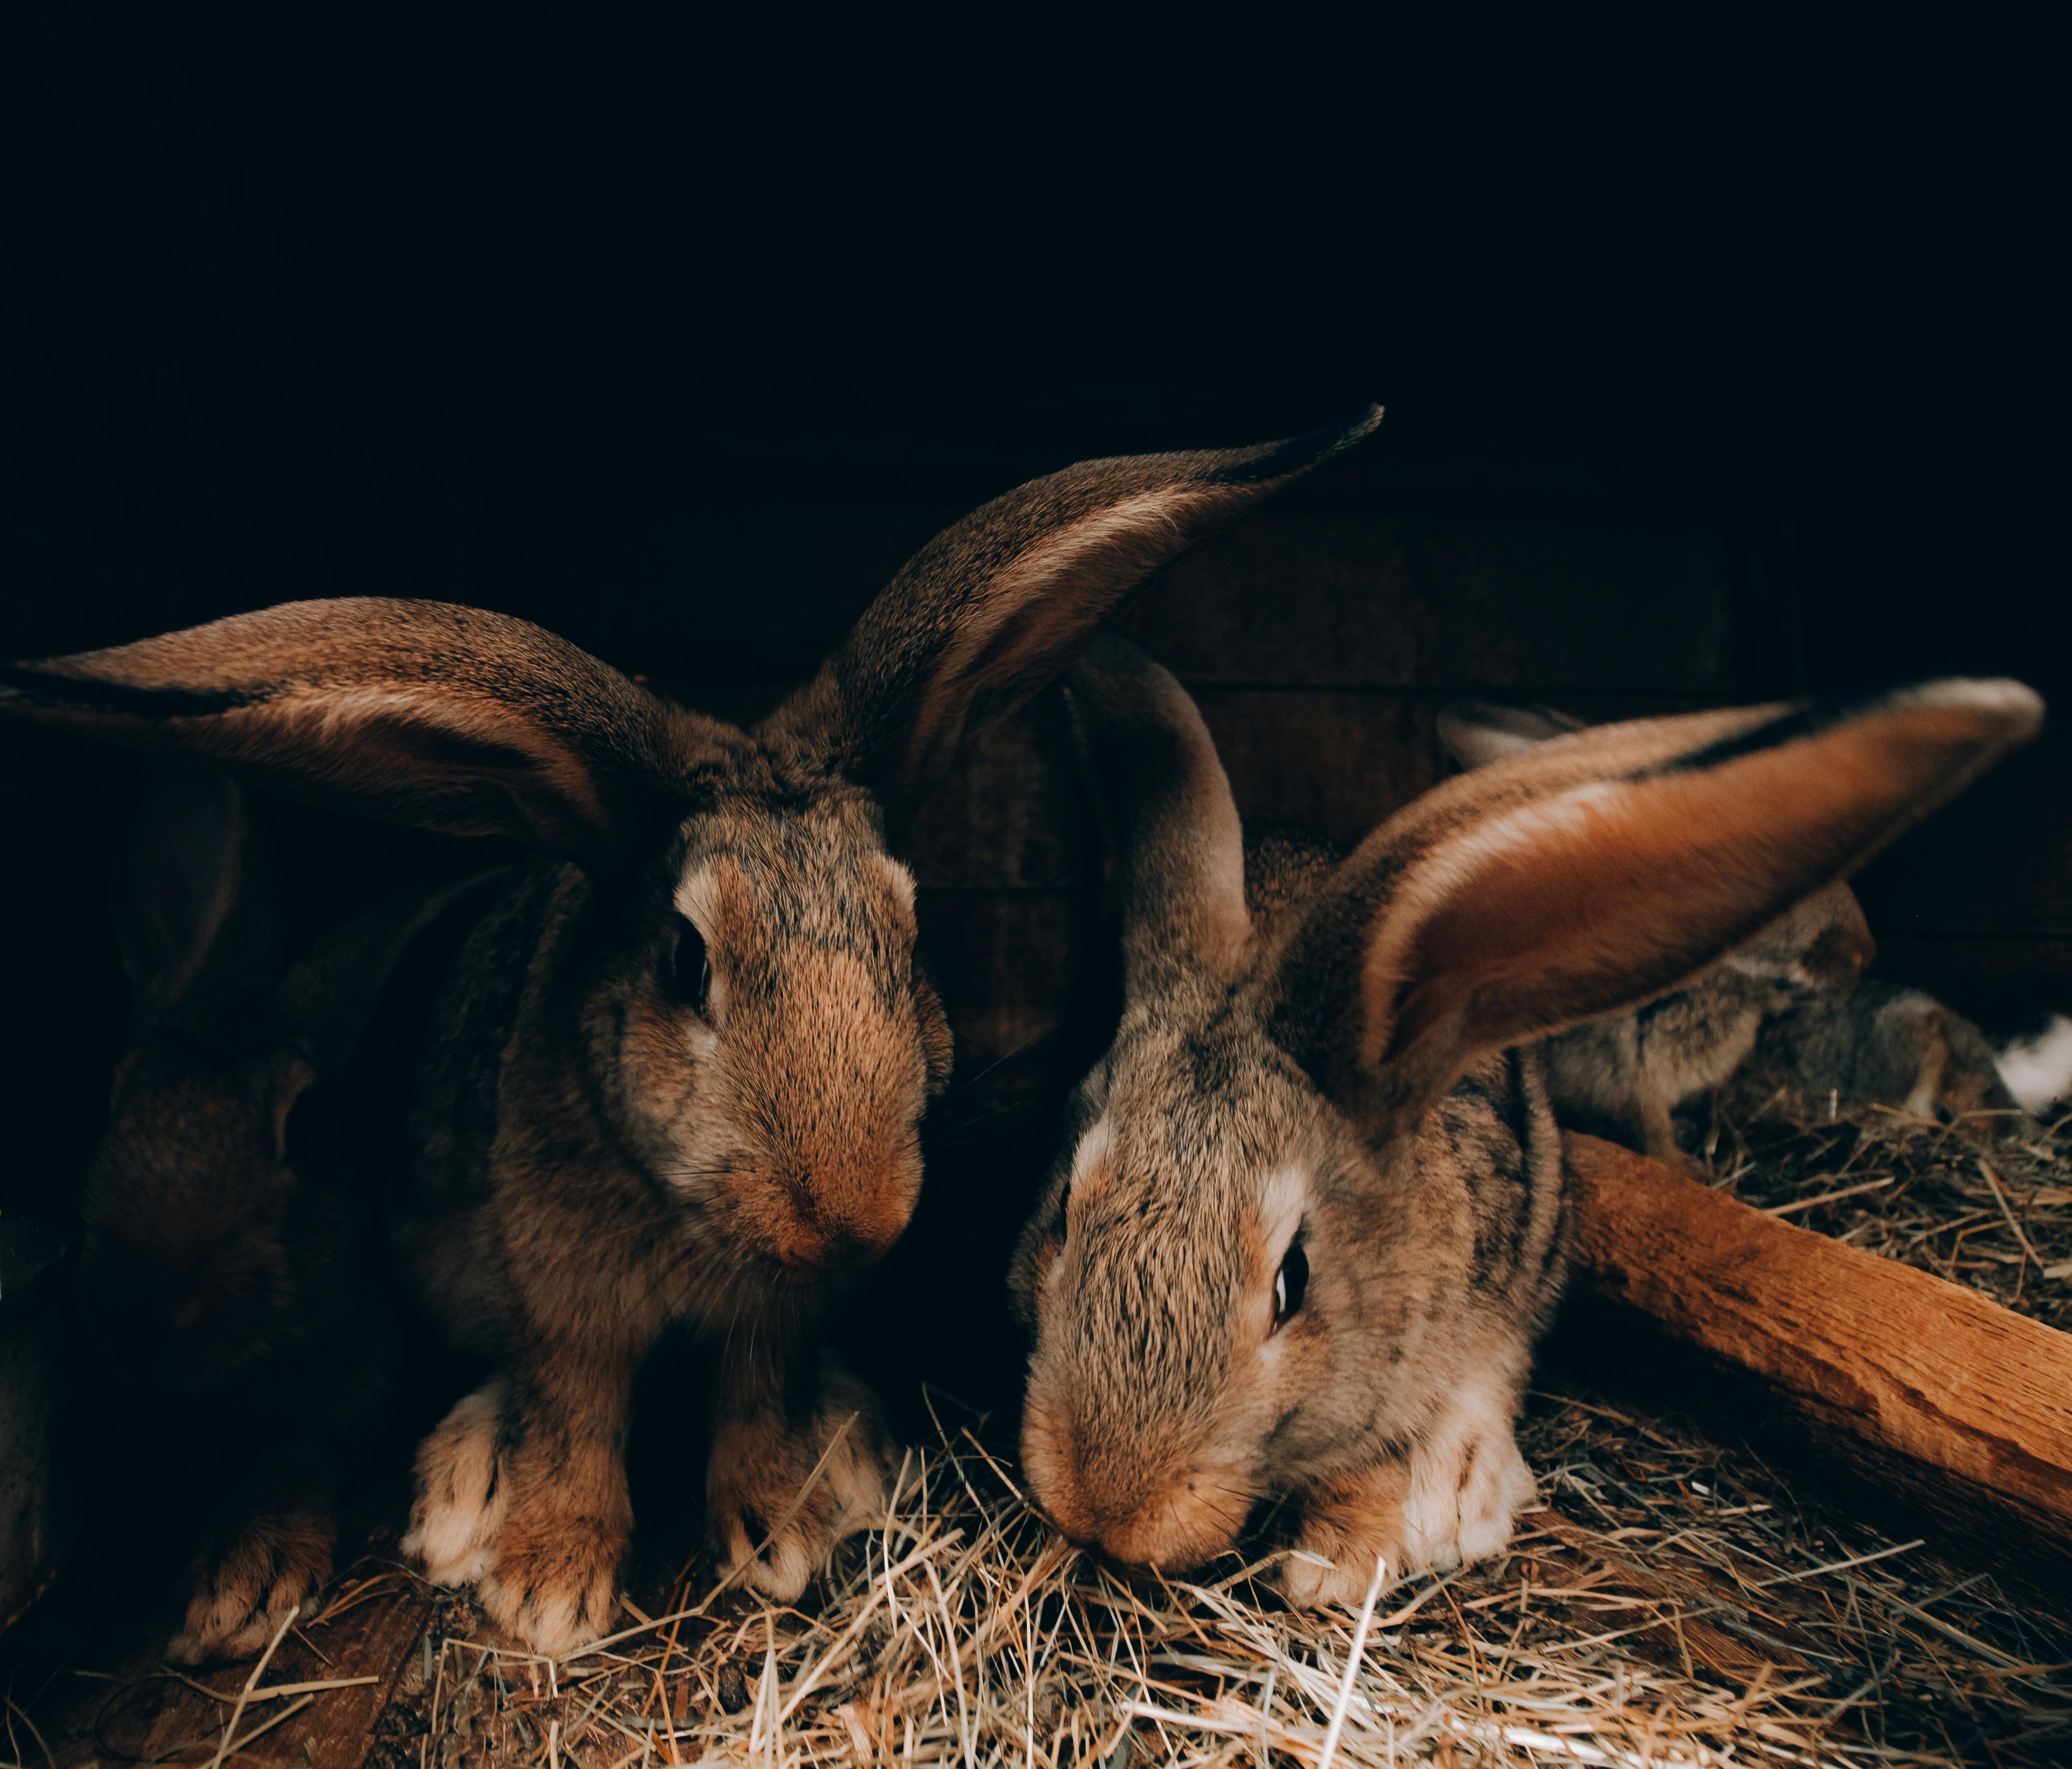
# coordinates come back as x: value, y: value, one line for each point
x: 2014, y: 706
x: 1298, y: 453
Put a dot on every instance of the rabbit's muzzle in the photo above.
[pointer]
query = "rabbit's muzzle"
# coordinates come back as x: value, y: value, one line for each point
x: 814, y: 1226
x: 1140, y: 1512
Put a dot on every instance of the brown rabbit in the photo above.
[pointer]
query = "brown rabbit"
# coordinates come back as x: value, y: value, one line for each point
x: 680, y: 1072
x: 235, y: 1281
x: 1879, y: 1044
x: 1309, y: 1220
x: 1625, y: 1077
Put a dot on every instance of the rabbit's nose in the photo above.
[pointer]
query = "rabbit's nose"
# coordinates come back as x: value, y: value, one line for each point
x: 836, y: 1235
x: 1183, y: 1526
x: 1142, y: 1521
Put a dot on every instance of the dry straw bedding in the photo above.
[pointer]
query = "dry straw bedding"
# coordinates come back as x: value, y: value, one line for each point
x: 1993, y: 1211
x: 1671, y: 1603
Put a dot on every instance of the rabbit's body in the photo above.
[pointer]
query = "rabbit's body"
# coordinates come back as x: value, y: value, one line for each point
x: 1625, y: 1077
x: 1309, y: 1221
x: 1477, y: 1204
x: 555, y: 1211
x: 1879, y: 1044
x: 1456, y: 1233
x: 680, y: 1065
x: 234, y: 1305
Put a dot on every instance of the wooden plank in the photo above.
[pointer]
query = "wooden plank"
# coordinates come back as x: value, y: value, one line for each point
x: 1998, y: 861
x: 1009, y: 816
x: 2004, y: 984
x: 1962, y: 1407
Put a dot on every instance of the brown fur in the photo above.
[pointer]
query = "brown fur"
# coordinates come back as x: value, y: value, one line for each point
x: 1624, y: 1077
x: 1349, y: 1078
x: 1880, y: 1045
x: 601, y: 1155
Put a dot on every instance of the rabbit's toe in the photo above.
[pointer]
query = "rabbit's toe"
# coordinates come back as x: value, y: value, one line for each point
x: 1467, y: 1485
x: 1345, y: 1529
x: 243, y: 1593
x: 461, y: 1496
x: 767, y: 1522
x: 554, y: 1583
x: 1497, y: 1486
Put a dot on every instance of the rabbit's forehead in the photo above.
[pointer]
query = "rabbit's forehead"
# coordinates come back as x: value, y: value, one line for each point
x: 1213, y: 1185
x: 827, y: 880
x: 1214, y: 1110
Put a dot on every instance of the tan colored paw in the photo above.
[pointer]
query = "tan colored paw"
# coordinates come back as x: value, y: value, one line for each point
x: 1346, y: 1526
x: 1467, y: 1487
x: 759, y: 1467
x: 243, y: 1593
x: 462, y: 1497
x: 1498, y: 1487
x: 553, y: 1582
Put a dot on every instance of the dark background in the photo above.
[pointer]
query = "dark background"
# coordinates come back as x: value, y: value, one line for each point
x: 1717, y: 368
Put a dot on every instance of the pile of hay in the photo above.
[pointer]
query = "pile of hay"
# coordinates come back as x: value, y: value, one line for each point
x: 1993, y: 1211
x: 1671, y: 1604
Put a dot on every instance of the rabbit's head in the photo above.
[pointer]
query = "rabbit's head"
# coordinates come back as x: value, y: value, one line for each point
x: 187, y: 1269
x: 732, y: 936
x: 1279, y: 1232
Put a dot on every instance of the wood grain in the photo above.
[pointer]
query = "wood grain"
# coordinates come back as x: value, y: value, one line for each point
x: 374, y: 1638
x: 1916, y: 1382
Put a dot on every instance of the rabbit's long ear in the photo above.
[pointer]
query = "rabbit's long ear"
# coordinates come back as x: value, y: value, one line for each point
x: 994, y: 608
x: 1475, y: 733
x: 1168, y: 810
x: 1582, y: 877
x: 194, y: 914
x: 447, y: 718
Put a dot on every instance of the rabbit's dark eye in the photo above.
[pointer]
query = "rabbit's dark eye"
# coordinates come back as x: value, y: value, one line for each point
x: 1288, y: 1284
x: 690, y: 969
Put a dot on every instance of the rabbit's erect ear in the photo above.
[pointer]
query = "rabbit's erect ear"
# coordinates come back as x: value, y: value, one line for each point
x: 1168, y: 809
x: 1583, y: 877
x: 194, y: 917
x: 447, y: 718
x: 994, y: 608
x: 1476, y: 732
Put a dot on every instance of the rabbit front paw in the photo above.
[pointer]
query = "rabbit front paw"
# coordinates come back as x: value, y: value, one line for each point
x: 760, y: 1522
x: 1346, y: 1526
x: 1466, y: 1493
x: 244, y: 1591
x: 1456, y: 1500
x: 540, y: 1543
x: 554, y: 1580
x: 461, y: 1494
